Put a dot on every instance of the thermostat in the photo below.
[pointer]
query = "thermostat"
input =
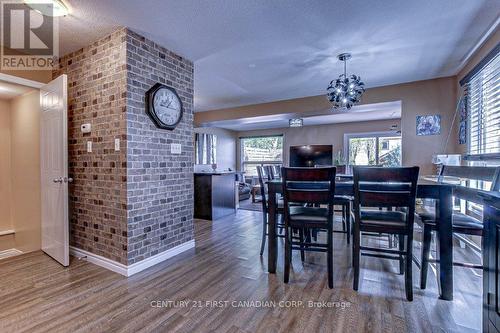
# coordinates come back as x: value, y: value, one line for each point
x: 86, y: 128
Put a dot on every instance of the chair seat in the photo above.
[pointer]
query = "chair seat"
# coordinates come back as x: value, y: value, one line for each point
x: 462, y: 223
x: 308, y: 215
x: 382, y: 221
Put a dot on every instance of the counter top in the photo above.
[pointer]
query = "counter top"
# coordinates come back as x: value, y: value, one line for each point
x: 214, y: 173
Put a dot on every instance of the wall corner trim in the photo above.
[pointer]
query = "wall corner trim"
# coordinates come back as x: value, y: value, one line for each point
x: 134, y: 268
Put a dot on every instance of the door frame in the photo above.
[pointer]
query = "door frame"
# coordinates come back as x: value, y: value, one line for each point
x: 21, y: 81
x: 377, y: 134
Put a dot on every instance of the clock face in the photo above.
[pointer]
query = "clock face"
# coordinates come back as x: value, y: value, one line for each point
x: 167, y: 106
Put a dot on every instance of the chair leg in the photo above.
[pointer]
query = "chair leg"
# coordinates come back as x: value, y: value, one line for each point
x: 409, y: 265
x: 343, y: 218
x: 401, y: 239
x: 288, y: 254
x: 348, y: 222
x: 329, y: 257
x: 301, y: 236
x: 264, y: 233
x: 355, y: 256
x: 424, y: 261
x: 282, y: 218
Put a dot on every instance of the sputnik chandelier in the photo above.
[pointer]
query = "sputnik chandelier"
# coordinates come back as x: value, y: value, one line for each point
x: 345, y: 91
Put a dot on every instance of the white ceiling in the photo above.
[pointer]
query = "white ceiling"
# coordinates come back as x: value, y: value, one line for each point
x: 10, y: 90
x: 255, y: 51
x: 366, y: 112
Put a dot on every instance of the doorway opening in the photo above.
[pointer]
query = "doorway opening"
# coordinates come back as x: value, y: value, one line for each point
x: 33, y: 126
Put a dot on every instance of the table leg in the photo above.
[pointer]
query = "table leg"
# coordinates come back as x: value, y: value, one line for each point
x: 444, y: 240
x: 272, y: 250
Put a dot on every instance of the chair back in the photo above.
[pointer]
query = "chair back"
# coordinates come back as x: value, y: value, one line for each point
x: 276, y: 171
x: 263, y: 176
x: 483, y: 173
x: 341, y: 169
x: 308, y: 186
x: 385, y: 187
x: 495, y: 185
x: 472, y: 173
x: 269, y: 171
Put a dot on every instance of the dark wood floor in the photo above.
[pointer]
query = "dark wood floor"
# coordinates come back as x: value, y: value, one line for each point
x: 38, y: 295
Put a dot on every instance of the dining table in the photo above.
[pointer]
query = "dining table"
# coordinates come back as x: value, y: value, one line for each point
x: 428, y: 187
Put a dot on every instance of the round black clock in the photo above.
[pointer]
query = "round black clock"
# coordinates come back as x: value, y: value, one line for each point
x: 164, y: 106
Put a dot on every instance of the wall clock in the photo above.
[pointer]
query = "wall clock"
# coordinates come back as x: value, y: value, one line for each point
x: 164, y: 106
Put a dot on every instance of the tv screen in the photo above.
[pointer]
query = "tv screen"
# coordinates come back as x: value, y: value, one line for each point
x: 311, y: 156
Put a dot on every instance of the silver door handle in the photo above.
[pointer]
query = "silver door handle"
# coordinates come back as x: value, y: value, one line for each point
x: 58, y: 180
x: 68, y: 179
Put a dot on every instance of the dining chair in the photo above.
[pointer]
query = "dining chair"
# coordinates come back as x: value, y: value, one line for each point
x: 304, y: 191
x: 344, y: 202
x: 270, y: 171
x: 277, y: 171
x: 389, y: 188
x: 462, y: 224
x: 264, y: 176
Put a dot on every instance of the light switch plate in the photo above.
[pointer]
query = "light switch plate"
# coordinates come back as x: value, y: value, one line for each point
x: 89, y: 146
x: 175, y: 148
x: 86, y: 128
x: 117, y: 144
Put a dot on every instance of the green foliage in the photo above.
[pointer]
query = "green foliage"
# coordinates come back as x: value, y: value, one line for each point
x: 392, y: 158
x: 270, y: 143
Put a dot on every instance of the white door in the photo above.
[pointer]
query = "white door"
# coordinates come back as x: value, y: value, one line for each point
x: 54, y: 169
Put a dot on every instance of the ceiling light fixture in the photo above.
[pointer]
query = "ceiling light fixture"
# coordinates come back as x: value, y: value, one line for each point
x: 296, y: 122
x: 345, y: 91
x: 53, y: 8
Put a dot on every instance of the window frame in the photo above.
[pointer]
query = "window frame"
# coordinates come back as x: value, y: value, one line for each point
x: 377, y: 135
x: 260, y: 163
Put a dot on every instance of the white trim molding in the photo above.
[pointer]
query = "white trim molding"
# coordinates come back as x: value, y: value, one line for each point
x: 21, y: 81
x: 7, y: 232
x: 134, y: 268
x: 99, y: 260
x: 10, y: 253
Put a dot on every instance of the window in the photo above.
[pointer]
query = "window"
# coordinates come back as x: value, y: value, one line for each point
x: 482, y: 102
x: 205, y: 148
x: 373, y: 149
x: 262, y: 150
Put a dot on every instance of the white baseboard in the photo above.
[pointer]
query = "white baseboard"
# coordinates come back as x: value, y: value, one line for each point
x: 134, y: 268
x: 10, y: 253
x: 99, y: 260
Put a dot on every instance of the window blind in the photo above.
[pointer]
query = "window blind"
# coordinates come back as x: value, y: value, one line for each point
x: 482, y: 98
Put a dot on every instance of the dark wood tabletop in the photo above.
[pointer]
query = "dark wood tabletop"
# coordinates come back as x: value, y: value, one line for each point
x: 431, y: 187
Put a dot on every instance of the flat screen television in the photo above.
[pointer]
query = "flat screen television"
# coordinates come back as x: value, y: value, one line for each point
x: 311, y: 156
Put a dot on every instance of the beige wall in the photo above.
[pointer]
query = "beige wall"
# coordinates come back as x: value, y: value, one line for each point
x: 226, y: 148
x: 428, y: 97
x: 20, y: 172
x: 39, y: 76
x: 25, y: 170
x: 324, y: 134
x: 6, y: 242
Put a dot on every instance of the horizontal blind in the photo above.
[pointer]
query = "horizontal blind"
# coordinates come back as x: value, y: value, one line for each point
x: 482, y: 98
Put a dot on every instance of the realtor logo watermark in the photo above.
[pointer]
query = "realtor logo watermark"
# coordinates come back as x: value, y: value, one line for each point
x: 30, y: 40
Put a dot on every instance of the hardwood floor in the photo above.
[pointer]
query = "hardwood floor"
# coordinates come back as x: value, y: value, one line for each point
x: 38, y: 295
